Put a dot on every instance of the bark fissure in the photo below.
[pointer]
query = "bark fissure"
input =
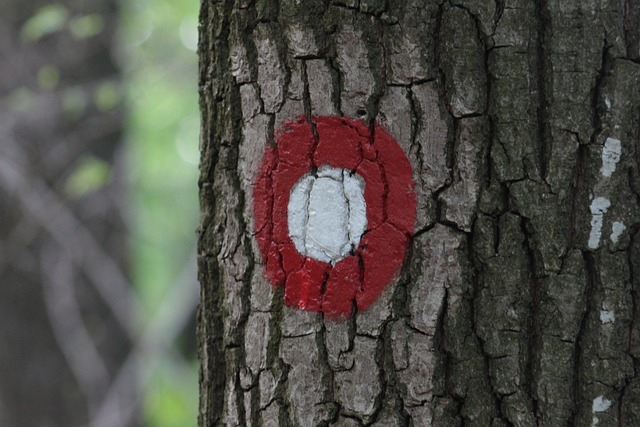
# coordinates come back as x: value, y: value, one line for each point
x: 496, y: 409
x: 579, y: 349
x: 543, y: 25
x: 534, y: 345
x: 307, y: 103
x: 577, y: 198
x: 502, y: 313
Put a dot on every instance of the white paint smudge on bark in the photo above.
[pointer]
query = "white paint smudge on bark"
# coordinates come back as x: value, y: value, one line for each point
x: 599, y: 207
x: 600, y: 404
x: 617, y: 228
x: 610, y: 156
x: 607, y: 316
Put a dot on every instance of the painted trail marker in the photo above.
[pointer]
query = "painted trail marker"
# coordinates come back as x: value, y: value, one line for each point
x: 333, y: 216
x: 327, y: 214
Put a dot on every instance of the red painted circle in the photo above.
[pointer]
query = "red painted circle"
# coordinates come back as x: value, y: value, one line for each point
x: 391, y: 208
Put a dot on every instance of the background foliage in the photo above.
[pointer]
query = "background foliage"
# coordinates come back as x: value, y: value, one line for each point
x: 159, y: 61
x: 69, y: 281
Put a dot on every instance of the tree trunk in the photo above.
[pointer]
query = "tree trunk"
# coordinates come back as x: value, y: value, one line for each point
x: 65, y: 321
x: 518, y: 300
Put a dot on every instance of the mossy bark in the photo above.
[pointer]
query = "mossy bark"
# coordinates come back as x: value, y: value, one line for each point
x: 518, y: 302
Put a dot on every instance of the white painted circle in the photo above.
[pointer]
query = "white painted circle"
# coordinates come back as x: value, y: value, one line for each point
x: 327, y: 214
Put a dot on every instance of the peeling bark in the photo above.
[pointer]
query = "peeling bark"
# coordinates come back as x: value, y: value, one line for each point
x: 518, y: 302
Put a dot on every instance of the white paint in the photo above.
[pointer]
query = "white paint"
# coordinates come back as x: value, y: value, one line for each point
x: 327, y: 214
x: 607, y: 316
x: 298, y: 211
x: 354, y: 192
x: 610, y: 156
x: 607, y: 102
x: 617, y: 228
x: 600, y: 404
x: 599, y: 207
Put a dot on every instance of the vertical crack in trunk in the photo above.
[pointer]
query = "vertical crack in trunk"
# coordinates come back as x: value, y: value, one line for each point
x: 579, y: 350
x: 597, y: 102
x: 577, y: 198
x: 486, y: 358
x: 306, y: 100
x: 496, y: 320
x: 544, y: 139
x: 534, y: 342
x: 380, y: 79
x: 211, y: 348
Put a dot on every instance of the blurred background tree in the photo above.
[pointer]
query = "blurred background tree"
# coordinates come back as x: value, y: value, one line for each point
x: 160, y: 67
x: 98, y: 153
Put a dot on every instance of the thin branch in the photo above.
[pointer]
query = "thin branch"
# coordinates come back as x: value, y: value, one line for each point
x: 42, y: 204
x: 154, y: 343
x: 73, y: 338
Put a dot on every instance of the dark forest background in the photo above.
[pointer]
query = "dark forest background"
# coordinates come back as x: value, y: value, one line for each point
x: 98, y: 207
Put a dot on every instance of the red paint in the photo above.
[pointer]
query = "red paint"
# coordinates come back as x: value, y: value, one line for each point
x: 296, y: 143
x: 304, y: 287
x: 401, y: 201
x: 292, y: 260
x: 342, y: 286
x: 275, y: 272
x: 382, y: 253
x: 284, y: 177
x: 389, y: 194
x: 338, y: 145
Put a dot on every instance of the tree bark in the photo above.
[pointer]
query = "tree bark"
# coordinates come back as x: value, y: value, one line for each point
x: 518, y: 304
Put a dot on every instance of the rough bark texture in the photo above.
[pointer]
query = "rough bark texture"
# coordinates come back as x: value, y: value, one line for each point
x: 518, y: 304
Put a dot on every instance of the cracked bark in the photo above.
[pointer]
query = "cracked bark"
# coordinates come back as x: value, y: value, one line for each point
x: 504, y: 314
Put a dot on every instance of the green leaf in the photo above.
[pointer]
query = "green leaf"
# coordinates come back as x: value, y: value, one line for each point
x: 47, y: 20
x: 107, y: 96
x: 90, y: 175
x: 74, y: 102
x: 21, y: 99
x: 48, y: 77
x: 172, y: 401
x: 86, y: 26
